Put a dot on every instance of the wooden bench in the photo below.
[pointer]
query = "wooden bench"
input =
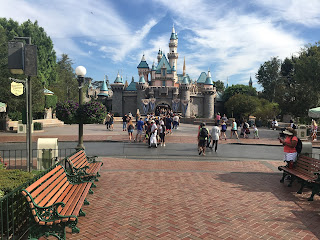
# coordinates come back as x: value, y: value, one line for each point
x: 56, y: 200
x: 304, y: 170
x: 86, y: 166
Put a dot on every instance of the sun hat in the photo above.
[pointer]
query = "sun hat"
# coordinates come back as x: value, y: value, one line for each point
x: 289, y: 131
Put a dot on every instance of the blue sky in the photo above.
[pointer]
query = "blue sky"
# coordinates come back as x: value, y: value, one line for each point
x: 232, y: 38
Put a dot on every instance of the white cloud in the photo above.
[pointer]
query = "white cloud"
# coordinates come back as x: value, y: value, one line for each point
x: 296, y: 11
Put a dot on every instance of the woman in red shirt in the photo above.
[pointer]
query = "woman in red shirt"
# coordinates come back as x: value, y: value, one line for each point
x: 289, y: 146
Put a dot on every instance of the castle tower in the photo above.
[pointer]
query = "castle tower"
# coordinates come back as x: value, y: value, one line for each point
x: 250, y: 82
x: 185, y: 97
x: 104, y: 93
x: 173, y: 45
x: 141, y: 92
x: 208, y: 91
x: 143, y: 68
x: 117, y: 98
x: 184, y: 67
x: 159, y: 55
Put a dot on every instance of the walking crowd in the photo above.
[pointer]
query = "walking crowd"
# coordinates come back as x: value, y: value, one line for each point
x: 152, y: 129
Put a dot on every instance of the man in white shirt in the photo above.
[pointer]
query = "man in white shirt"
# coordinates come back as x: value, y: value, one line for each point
x: 215, y: 134
x: 153, y: 137
x: 175, y: 121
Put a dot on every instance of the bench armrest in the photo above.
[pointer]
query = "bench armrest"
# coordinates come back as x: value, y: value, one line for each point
x: 46, y: 214
x: 82, y: 170
x: 92, y: 159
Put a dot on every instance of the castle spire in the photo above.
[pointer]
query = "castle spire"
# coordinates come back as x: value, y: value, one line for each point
x: 184, y: 66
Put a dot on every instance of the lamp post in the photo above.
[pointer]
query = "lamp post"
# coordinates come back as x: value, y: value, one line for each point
x: 80, y: 72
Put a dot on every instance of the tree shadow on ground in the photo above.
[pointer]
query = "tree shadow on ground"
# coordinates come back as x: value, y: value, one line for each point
x: 307, y: 212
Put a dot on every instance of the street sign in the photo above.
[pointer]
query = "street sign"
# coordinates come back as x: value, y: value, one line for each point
x: 16, y: 88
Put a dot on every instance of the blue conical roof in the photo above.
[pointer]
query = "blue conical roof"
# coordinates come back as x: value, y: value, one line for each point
x: 142, y: 80
x: 185, y: 80
x: 208, y: 79
x: 104, y: 86
x: 118, y: 79
x: 143, y: 63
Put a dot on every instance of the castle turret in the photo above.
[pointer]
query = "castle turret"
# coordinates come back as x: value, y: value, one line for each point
x: 143, y: 68
x: 185, y: 96
x: 173, y: 45
x: 250, y: 82
x: 141, y: 92
x: 209, y: 92
x: 117, y: 89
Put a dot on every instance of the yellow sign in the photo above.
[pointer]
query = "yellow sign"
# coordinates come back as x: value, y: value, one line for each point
x: 16, y: 88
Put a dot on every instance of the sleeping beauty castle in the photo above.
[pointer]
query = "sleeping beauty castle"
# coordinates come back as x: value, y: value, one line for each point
x: 162, y: 87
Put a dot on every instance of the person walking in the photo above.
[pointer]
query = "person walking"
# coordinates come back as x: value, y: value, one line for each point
x: 314, y: 130
x: 203, y: 136
x: 162, y: 134
x: 218, y: 117
x: 111, y: 121
x: 140, y: 125
x: 289, y: 146
x: 153, y: 134
x: 223, y: 130
x: 215, y: 134
x: 108, y: 117
x: 130, y: 129
x: 124, y: 122
x: 255, y: 132
x: 234, y: 129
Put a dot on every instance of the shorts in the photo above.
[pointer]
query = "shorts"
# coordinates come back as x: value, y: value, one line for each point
x: 168, y: 127
x: 290, y: 156
x: 223, y: 130
x: 130, y: 130
x: 202, y: 143
x: 139, y: 132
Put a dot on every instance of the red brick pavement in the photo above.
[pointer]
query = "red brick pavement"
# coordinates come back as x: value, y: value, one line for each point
x: 139, y: 199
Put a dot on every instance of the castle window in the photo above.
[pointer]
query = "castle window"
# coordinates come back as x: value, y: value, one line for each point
x: 163, y: 72
x: 163, y: 83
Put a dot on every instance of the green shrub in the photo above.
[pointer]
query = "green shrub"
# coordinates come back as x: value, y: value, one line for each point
x: 37, y: 126
x: 15, y: 116
x: 50, y: 101
x: 13, y: 178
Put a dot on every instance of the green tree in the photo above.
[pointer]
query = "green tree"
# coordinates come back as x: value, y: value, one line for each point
x: 219, y: 86
x: 241, y: 106
x: 46, y: 63
x: 268, y: 76
x: 239, y: 89
x: 66, y: 85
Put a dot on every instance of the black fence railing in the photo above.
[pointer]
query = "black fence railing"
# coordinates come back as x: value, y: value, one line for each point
x: 42, y: 159
x: 14, y: 212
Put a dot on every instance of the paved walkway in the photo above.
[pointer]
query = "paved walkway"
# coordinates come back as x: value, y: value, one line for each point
x: 189, y: 199
x: 141, y: 199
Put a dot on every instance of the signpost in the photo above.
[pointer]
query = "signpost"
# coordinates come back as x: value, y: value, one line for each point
x: 22, y: 59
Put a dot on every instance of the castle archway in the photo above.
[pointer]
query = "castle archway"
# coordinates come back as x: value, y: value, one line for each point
x: 162, y: 108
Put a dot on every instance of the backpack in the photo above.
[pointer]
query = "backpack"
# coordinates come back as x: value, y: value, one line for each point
x: 299, y: 146
x: 204, y: 133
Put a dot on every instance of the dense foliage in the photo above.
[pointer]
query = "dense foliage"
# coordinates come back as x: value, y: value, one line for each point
x: 13, y: 178
x: 294, y: 82
x: 51, y: 101
x: 71, y: 113
x: 239, y: 89
x: 92, y: 112
x: 66, y: 111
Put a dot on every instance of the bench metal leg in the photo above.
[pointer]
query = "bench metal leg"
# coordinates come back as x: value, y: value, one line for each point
x: 86, y: 202
x: 291, y: 181
x: 315, y: 190
x: 284, y: 174
x: 82, y: 213
x: 36, y: 231
x: 98, y: 175
x: 90, y: 191
x: 301, y: 188
x: 93, y: 185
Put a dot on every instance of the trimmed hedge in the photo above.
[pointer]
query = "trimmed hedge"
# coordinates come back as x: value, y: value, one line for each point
x: 13, y: 178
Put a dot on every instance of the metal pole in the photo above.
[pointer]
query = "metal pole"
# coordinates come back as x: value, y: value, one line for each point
x: 29, y: 124
x: 80, y: 140
x: 27, y: 132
